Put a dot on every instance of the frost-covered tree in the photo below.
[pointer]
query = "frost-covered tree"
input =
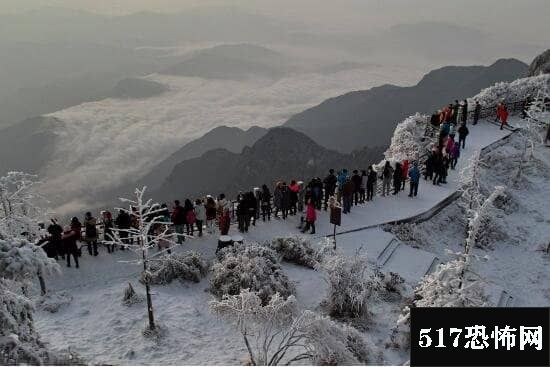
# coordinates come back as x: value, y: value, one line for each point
x: 21, y: 209
x: 19, y: 342
x: 407, y: 141
x: 350, y: 283
x: 279, y: 333
x: 21, y: 260
x: 150, y: 230
x: 21, y: 212
x: 538, y: 118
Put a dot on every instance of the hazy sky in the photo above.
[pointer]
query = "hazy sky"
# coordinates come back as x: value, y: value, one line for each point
x: 518, y: 20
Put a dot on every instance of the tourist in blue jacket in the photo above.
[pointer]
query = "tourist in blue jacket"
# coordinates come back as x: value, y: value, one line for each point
x: 414, y: 175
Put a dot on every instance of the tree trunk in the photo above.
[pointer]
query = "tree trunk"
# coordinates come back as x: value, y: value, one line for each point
x: 42, y: 284
x: 148, y: 293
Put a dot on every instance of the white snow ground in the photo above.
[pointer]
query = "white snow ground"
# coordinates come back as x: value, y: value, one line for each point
x: 97, y: 326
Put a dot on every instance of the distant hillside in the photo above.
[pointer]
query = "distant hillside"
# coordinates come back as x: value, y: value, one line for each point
x: 231, y: 62
x: 232, y: 139
x: 27, y: 146
x: 137, y: 88
x: 541, y: 64
x: 360, y: 118
x: 282, y: 153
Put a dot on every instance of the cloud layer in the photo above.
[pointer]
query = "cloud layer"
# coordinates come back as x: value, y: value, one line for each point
x: 107, y: 143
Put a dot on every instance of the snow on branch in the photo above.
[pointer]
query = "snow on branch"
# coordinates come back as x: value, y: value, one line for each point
x: 21, y: 209
x: 407, y: 140
x: 277, y: 333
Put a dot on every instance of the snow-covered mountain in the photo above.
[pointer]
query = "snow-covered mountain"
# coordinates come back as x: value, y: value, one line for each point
x: 282, y: 153
x: 368, y: 117
x: 233, y: 62
x: 541, y: 64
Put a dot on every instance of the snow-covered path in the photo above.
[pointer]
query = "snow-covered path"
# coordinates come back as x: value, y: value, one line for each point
x: 98, y: 327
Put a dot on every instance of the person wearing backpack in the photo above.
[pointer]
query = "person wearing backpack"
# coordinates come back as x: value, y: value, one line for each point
x: 91, y: 233
x: 462, y: 133
x: 265, y: 202
x: 178, y: 219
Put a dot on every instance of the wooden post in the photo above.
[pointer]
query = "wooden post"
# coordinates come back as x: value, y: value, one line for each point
x: 334, y: 235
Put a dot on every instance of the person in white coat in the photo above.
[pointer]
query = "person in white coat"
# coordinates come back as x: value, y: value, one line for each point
x: 200, y: 215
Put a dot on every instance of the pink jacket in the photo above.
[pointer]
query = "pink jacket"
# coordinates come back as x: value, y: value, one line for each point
x: 311, y: 214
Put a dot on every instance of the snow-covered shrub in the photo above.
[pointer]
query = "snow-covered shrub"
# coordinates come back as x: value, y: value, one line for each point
x: 350, y: 284
x: 249, y: 266
x: 188, y: 266
x: 407, y: 141
x: 131, y: 297
x: 21, y: 206
x: 19, y: 342
x: 517, y: 90
x: 277, y: 333
x: 332, y: 344
x: 21, y: 260
x: 483, y: 229
x: 450, y: 285
x: 296, y: 249
x: 52, y: 302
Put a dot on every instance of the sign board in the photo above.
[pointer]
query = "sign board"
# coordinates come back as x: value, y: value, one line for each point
x: 336, y: 215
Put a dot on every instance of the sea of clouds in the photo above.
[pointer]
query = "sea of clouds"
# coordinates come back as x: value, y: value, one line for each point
x: 105, y: 144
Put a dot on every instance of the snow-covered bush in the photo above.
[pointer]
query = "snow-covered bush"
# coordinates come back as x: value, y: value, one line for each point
x: 277, y: 333
x: 52, y: 302
x: 517, y: 90
x: 249, y: 266
x: 407, y: 141
x: 21, y: 260
x: 131, y: 297
x: 482, y: 226
x: 332, y: 344
x: 350, y: 284
x: 21, y: 206
x: 450, y: 285
x: 19, y: 342
x: 188, y: 266
x: 296, y: 249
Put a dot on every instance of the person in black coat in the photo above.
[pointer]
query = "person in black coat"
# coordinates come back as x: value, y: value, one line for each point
x: 286, y: 200
x: 265, y: 202
x: 330, y: 186
x: 55, y: 246
x: 477, y: 112
x: 356, y: 179
x: 397, y: 178
x: 464, y: 111
x: 437, y: 168
x: 372, y: 176
x: 123, y: 222
x: 430, y: 164
x: 462, y: 133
